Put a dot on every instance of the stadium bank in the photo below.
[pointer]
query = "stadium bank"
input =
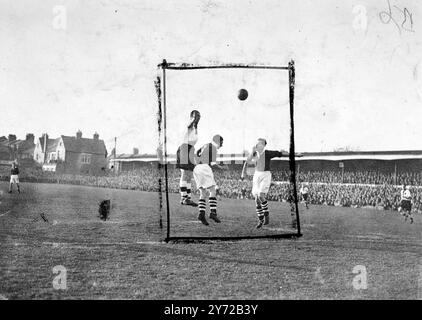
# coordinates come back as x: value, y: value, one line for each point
x: 384, y: 161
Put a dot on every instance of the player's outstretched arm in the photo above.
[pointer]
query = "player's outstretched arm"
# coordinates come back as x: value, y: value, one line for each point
x: 192, y: 120
x: 190, y: 123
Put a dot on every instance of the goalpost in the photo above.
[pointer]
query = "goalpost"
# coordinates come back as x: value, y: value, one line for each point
x: 164, y: 161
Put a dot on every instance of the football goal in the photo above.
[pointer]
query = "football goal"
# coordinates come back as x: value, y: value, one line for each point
x: 242, y: 104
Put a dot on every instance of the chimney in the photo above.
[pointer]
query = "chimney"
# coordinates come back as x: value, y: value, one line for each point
x: 44, y: 147
x: 12, y: 137
x: 79, y: 134
x: 135, y: 151
x: 96, y: 136
x: 30, y: 137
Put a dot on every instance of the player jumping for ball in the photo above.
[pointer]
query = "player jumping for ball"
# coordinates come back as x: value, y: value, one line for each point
x: 261, y: 178
x: 186, y: 159
x: 204, y: 178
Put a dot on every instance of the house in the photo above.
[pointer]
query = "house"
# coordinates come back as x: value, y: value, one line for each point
x: 24, y: 149
x: 16, y: 149
x: 75, y: 154
x: 4, y: 152
x: 40, y: 152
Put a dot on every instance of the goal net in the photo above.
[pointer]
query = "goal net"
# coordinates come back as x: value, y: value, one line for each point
x: 267, y: 112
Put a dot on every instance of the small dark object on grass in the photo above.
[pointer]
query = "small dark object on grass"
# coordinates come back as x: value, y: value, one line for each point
x: 43, y: 217
x: 104, y: 209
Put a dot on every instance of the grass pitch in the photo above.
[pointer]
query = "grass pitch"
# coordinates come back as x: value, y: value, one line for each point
x: 123, y: 258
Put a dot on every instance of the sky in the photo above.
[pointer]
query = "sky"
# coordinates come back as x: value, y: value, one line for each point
x: 69, y: 65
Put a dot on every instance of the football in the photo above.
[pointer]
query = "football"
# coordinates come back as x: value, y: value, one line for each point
x: 242, y: 94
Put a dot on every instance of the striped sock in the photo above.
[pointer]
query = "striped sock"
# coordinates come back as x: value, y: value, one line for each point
x: 183, y: 193
x: 264, y: 205
x: 202, y: 206
x: 259, y: 212
x: 189, y: 191
x: 213, y: 204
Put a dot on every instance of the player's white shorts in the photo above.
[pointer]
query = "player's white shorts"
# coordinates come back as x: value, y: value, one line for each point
x: 261, y: 182
x: 14, y: 178
x: 203, y: 175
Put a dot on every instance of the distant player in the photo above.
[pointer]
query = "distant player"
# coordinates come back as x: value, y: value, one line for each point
x: 400, y: 208
x: 204, y: 178
x: 406, y: 203
x: 261, y: 178
x: 243, y: 196
x: 14, y: 177
x: 185, y: 158
x: 304, y: 191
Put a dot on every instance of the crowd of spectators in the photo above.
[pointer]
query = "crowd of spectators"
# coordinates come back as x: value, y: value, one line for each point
x: 351, y: 189
x: 348, y: 195
x: 359, y: 177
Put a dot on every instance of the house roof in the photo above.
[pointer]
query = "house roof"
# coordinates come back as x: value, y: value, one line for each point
x: 84, y: 145
x: 15, y: 142
x: 52, y: 144
x: 3, y: 140
x: 24, y: 146
x: 49, y: 142
x: 21, y: 146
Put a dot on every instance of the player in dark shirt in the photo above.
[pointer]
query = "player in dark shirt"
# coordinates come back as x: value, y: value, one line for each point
x: 185, y: 159
x: 204, y: 178
x: 262, y: 177
x: 406, y: 203
x: 14, y: 177
x: 243, y: 192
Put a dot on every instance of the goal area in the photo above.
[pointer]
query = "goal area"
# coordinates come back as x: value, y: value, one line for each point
x: 266, y: 111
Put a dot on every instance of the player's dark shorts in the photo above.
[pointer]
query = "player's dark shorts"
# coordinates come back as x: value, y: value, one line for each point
x: 185, y: 156
x: 305, y: 196
x: 406, y: 205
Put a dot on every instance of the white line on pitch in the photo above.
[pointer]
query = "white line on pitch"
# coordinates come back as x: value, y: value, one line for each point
x: 1, y: 215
